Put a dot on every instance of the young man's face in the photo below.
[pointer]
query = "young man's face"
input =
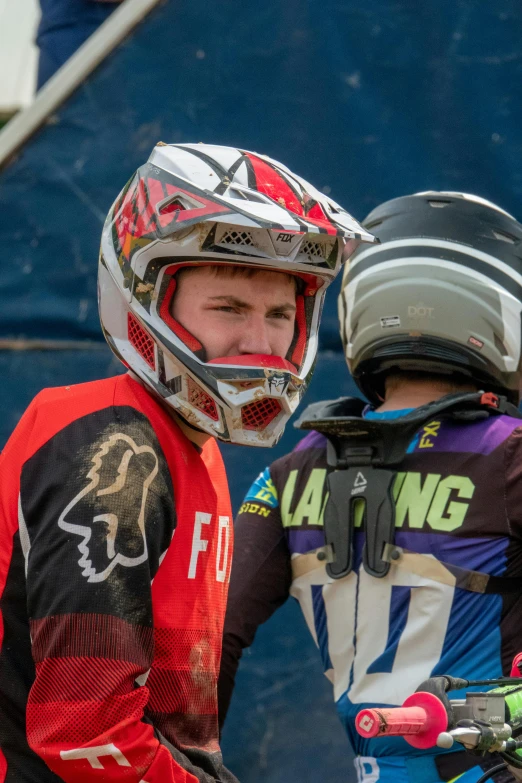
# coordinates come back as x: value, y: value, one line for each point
x: 232, y: 315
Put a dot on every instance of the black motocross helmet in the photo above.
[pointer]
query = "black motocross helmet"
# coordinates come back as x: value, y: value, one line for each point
x: 441, y: 293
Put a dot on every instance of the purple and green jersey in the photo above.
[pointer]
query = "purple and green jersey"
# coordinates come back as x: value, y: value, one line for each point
x: 459, y: 501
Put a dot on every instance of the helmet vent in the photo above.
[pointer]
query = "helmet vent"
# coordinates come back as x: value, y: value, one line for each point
x: 504, y: 237
x: 141, y: 341
x: 247, y: 194
x: 499, y: 345
x: 201, y: 400
x: 237, y: 193
x: 439, y: 204
x: 315, y: 250
x: 172, y: 206
x: 243, y: 238
x: 258, y: 415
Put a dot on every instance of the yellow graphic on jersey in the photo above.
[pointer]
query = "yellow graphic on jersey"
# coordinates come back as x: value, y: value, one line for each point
x: 262, y: 491
x: 430, y: 430
x: 441, y: 502
x: 254, y: 508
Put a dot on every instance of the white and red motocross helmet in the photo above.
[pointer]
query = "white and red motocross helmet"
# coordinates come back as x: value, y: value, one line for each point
x: 195, y: 204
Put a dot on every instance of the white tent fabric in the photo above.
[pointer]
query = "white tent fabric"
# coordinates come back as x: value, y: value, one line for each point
x: 18, y: 54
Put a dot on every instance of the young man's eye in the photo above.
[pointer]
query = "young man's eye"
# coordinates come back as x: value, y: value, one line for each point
x: 284, y: 316
x: 226, y: 309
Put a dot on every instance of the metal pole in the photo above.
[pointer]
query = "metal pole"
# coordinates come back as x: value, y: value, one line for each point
x: 71, y: 75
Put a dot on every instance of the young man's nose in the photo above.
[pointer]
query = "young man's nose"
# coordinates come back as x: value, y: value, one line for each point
x: 254, y: 337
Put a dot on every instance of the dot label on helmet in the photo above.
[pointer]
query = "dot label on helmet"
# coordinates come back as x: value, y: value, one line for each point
x: 420, y: 311
x: 390, y: 320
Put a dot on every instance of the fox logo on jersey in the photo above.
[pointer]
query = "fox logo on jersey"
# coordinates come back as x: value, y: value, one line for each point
x: 109, y: 512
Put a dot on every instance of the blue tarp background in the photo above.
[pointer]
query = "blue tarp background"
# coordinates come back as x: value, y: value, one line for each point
x: 368, y: 100
x: 64, y: 26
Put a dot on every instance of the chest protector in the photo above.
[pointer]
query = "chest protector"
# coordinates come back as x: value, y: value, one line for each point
x: 366, y: 455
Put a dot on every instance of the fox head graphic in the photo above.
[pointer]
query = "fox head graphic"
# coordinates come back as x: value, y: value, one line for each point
x: 108, y: 514
x: 278, y: 381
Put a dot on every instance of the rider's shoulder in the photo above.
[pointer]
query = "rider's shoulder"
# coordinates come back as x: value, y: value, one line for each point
x: 91, y: 390
x: 310, y: 443
x: 309, y: 453
x: 80, y: 411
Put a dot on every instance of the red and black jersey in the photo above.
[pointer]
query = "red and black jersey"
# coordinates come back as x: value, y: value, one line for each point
x: 115, y: 551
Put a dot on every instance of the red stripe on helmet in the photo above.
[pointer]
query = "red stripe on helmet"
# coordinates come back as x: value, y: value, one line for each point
x: 184, y: 335
x: 271, y: 183
x: 300, y: 325
x: 156, y: 193
x: 145, y: 208
x: 135, y: 215
x: 316, y: 212
x: 330, y: 228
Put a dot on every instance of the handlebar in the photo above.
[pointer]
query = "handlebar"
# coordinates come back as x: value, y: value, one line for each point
x: 480, y: 722
x: 420, y: 720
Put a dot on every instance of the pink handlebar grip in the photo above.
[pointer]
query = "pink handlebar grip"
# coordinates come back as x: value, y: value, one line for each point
x: 394, y: 722
x: 420, y: 720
